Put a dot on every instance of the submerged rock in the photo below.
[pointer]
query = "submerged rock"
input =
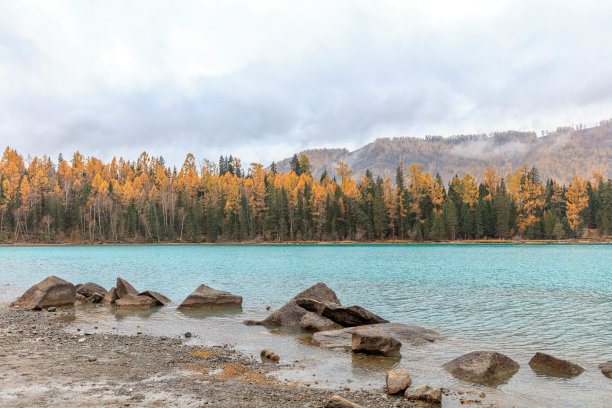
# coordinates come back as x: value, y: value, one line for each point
x: 398, y: 380
x: 369, y: 340
x: 347, y: 316
x: 482, y: 367
x: 312, y: 322
x: 290, y: 313
x: 424, y: 393
x: 339, y: 402
x: 52, y: 291
x: 89, y: 288
x: 405, y: 333
x: 606, y: 368
x: 124, y: 288
x: 135, y: 301
x: 159, y: 298
x: 547, y: 364
x: 205, y: 297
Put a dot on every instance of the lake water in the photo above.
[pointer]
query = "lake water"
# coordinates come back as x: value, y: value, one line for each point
x: 515, y: 299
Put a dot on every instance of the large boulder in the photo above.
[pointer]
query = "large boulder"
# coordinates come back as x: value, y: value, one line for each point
x: 347, y: 316
x: 159, y: 298
x: 482, y: 367
x: 547, y: 364
x: 110, y: 297
x: 398, y: 380
x: 89, y: 288
x: 205, y: 297
x: 124, y: 288
x: 135, y: 301
x: 369, y: 340
x: 424, y: 393
x: 405, y: 333
x: 312, y: 322
x: 339, y: 402
x: 51, y: 292
x: 606, y: 368
x: 290, y: 313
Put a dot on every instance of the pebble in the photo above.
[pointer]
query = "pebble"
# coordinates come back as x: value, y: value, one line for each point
x: 81, y: 340
x: 92, y: 358
x: 482, y: 394
x: 51, y: 309
x: 188, y: 334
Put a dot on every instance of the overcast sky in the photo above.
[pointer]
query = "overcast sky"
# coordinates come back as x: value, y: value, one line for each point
x: 264, y: 79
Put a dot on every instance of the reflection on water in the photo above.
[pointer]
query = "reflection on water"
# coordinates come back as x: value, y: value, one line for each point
x: 514, y: 299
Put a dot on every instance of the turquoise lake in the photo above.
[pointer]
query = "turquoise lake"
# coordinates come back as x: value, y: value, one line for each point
x: 515, y: 299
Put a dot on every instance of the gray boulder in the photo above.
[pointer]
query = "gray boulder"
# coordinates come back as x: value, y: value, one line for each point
x: 159, y: 298
x: 290, y: 313
x: 347, y: 316
x: 483, y: 367
x: 89, y: 288
x: 369, y: 340
x: 51, y: 292
x: 110, y: 297
x: 606, y: 368
x: 398, y: 380
x: 405, y: 333
x: 124, y: 288
x: 312, y: 322
x: 135, y: 301
x: 547, y: 364
x: 205, y: 297
x: 424, y: 393
x: 339, y: 402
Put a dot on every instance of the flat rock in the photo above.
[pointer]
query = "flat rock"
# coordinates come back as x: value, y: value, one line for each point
x: 606, y: 368
x: 290, y: 313
x: 89, y: 288
x: 124, y: 288
x: 482, y: 367
x: 547, y: 364
x: 52, y: 291
x: 405, y: 333
x: 339, y: 402
x: 369, y: 340
x: 135, y: 301
x: 205, y: 297
x: 111, y: 297
x: 424, y: 393
x: 398, y: 380
x: 312, y: 322
x: 347, y: 316
x: 161, y: 299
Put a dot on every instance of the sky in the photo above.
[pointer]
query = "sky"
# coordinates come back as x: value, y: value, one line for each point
x: 264, y: 79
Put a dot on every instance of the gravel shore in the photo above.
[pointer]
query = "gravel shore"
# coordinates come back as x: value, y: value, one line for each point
x: 45, y: 361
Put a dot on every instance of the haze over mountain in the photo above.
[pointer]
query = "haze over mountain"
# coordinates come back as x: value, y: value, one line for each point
x: 557, y: 154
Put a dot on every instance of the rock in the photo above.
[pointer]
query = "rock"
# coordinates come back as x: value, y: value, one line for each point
x: 424, y: 393
x: 290, y: 313
x: 312, y: 322
x: 266, y: 353
x: 205, y: 297
x: 89, y: 288
x: 51, y: 309
x: 92, y: 359
x: 96, y: 298
x: 482, y: 394
x: 371, y: 341
x: 606, y: 368
x: 188, y: 334
x: 111, y: 297
x: 82, y: 299
x: 50, y: 292
x: 405, y: 333
x: 161, y: 299
x: 339, y: 402
x: 347, y: 316
x: 124, y: 288
x: 275, y: 357
x: 482, y: 367
x: 398, y: 380
x: 547, y: 364
x: 135, y: 301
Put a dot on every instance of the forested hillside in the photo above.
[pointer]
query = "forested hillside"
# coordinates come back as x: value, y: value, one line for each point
x: 558, y: 155
x: 87, y: 200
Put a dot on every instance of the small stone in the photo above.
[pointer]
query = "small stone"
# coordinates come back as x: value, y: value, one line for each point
x: 81, y: 340
x: 92, y: 359
x: 51, y: 309
x: 266, y: 353
x: 268, y: 307
x: 339, y: 402
x: 188, y: 334
x: 397, y: 381
x: 482, y: 394
x: 275, y: 357
x: 424, y: 393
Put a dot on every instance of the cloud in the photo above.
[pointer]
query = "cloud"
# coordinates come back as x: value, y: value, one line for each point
x: 264, y: 80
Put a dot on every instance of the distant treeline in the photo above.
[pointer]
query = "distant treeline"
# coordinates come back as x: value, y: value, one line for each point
x: 86, y: 200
